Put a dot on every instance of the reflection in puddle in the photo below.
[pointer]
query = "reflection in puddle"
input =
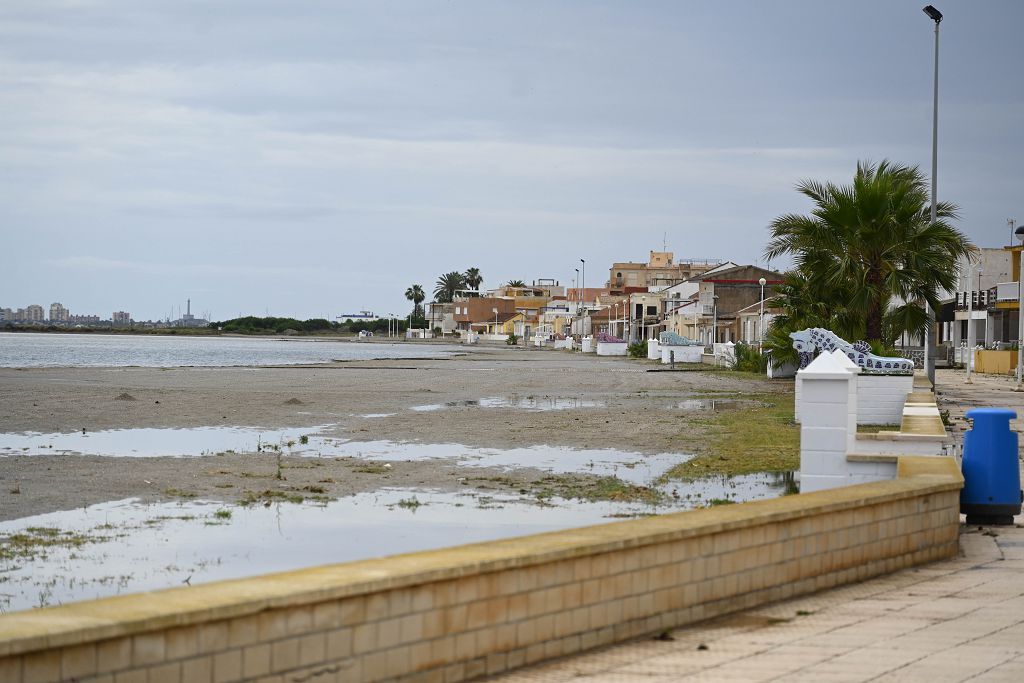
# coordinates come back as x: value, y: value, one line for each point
x: 516, y: 402
x: 706, y: 404
x: 151, y: 442
x: 634, y: 468
x: 125, y: 546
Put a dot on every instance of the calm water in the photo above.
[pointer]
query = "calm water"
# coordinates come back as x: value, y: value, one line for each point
x: 28, y: 350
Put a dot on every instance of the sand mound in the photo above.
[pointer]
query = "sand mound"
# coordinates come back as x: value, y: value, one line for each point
x: 124, y: 397
x: 293, y: 402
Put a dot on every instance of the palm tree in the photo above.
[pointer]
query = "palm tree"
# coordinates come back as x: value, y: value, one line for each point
x: 473, y: 278
x: 416, y: 295
x: 871, y: 245
x: 515, y: 283
x: 447, y: 285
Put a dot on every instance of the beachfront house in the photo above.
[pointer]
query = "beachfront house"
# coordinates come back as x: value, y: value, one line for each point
x: 723, y: 293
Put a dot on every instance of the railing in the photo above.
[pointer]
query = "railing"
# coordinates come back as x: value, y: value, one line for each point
x: 1007, y: 291
x: 979, y: 300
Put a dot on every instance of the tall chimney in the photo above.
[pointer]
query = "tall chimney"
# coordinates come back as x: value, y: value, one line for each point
x: 188, y: 306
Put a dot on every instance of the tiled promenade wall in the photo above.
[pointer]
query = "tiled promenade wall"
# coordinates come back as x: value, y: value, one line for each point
x: 458, y: 613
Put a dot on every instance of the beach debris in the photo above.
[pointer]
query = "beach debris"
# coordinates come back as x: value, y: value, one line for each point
x: 702, y: 646
x: 294, y: 402
x: 665, y: 636
x: 125, y: 396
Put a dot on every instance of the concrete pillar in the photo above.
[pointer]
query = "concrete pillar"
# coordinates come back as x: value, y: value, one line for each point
x: 828, y: 426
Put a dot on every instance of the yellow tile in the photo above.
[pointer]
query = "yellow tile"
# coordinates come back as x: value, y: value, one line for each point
x: 388, y: 633
x: 256, y: 660
x: 312, y: 649
x: 178, y: 642
x: 10, y: 669
x: 113, y: 654
x: 300, y: 620
x: 465, y: 645
x: 364, y: 638
x: 227, y: 666
x: 135, y: 676
x: 213, y: 636
x: 244, y: 631
x: 273, y: 625
x: 284, y: 654
x: 165, y: 673
x: 198, y: 670
x: 352, y: 611
x: 78, y: 661
x: 339, y: 643
x: 376, y: 606
x: 148, y: 648
x: 442, y: 649
x: 41, y: 667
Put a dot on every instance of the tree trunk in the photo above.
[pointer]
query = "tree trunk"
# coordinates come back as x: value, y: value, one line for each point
x: 874, y: 318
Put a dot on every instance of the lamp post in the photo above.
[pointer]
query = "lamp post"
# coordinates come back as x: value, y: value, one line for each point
x: 970, y: 324
x: 714, y: 321
x: 583, y: 281
x: 760, y: 336
x: 1020, y: 309
x: 929, y: 341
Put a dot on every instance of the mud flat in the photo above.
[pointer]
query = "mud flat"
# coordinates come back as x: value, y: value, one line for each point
x: 496, y: 399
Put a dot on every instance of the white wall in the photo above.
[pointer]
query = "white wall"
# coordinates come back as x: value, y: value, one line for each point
x: 611, y: 348
x: 683, y: 354
x: 880, y: 398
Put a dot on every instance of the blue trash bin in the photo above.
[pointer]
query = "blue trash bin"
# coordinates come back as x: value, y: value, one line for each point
x: 991, y: 492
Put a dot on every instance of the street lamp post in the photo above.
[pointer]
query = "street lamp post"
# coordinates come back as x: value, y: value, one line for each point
x: 760, y: 336
x: 970, y: 320
x: 714, y: 321
x: 1020, y: 309
x: 929, y: 340
x: 583, y: 281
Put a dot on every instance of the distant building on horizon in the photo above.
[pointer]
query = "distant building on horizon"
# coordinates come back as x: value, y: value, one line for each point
x: 189, y: 320
x: 59, y: 314
x: 121, y: 317
x: 360, y: 317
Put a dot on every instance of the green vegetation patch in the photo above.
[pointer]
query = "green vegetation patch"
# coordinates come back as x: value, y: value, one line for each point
x: 595, y: 489
x: 268, y: 496
x: 761, y: 436
x: 36, y: 541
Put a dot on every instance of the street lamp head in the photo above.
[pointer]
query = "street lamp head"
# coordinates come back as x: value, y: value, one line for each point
x: 762, y: 282
x: 935, y: 14
x: 1019, y: 232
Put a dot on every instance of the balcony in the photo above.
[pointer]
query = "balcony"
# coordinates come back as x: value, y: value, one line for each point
x: 1007, y: 291
x: 979, y: 300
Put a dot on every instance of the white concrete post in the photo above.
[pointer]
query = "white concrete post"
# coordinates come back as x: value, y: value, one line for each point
x: 828, y: 421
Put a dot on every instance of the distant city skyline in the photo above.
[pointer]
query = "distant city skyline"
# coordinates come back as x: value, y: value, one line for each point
x: 264, y: 159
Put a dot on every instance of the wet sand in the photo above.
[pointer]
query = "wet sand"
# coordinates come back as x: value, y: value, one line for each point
x: 427, y: 401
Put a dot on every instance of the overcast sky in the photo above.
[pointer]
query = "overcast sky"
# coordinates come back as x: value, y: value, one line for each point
x: 316, y: 158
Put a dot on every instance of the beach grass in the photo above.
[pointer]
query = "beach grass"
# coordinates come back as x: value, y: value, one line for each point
x: 761, y: 436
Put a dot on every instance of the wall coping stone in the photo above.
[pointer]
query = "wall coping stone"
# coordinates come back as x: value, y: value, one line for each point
x: 94, y: 620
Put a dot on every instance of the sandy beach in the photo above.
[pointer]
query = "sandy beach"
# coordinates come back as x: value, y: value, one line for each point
x: 602, y: 403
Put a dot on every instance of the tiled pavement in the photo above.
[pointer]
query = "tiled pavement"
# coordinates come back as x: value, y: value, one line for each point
x: 958, y: 620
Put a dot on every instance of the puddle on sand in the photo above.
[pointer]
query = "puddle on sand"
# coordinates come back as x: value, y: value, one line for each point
x: 152, y: 442
x: 537, y: 403
x: 635, y: 468
x: 124, y: 546
x: 708, y: 405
